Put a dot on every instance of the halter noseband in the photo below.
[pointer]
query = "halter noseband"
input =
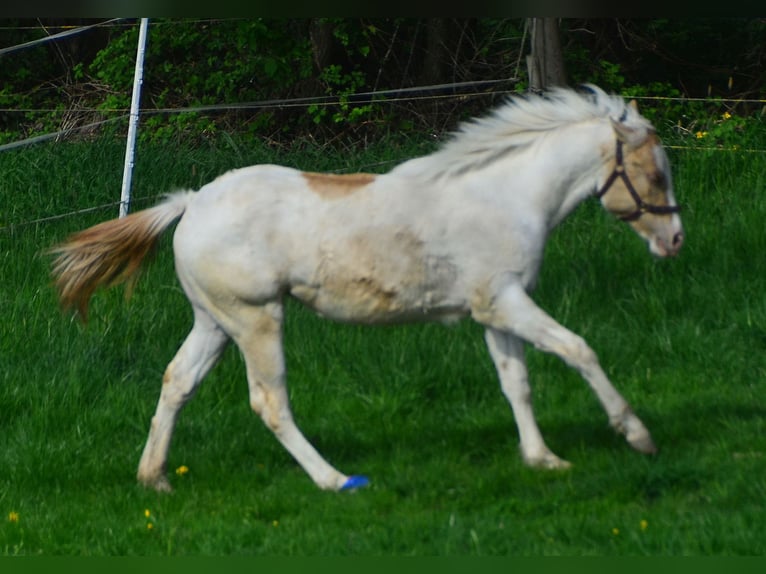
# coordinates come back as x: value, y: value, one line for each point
x: 641, y: 206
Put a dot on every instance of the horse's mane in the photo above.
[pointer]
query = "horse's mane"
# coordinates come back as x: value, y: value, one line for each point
x: 519, y: 121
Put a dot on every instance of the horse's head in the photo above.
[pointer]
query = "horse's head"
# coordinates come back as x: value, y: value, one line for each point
x: 637, y: 187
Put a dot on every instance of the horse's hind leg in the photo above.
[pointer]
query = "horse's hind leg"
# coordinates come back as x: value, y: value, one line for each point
x: 198, y: 354
x: 264, y: 358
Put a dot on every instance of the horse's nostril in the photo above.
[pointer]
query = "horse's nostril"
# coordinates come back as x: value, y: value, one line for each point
x: 678, y: 239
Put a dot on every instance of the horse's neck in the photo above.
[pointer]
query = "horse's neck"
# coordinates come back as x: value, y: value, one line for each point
x: 569, y: 167
x: 551, y: 176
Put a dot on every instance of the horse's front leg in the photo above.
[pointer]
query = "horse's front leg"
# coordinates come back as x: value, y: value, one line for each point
x: 507, y: 352
x: 513, y: 311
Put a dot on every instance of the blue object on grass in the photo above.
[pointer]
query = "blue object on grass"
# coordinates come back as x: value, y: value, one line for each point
x: 356, y: 481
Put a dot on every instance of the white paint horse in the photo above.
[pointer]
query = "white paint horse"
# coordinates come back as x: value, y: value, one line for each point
x: 459, y: 232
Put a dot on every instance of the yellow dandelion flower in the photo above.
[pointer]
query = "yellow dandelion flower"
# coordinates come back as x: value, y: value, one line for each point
x: 726, y: 115
x: 616, y: 531
x: 700, y: 135
x: 181, y: 470
x: 149, y: 526
x: 644, y: 524
x: 13, y: 516
x: 147, y: 513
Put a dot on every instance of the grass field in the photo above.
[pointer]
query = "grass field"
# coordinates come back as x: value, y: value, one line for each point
x: 416, y: 408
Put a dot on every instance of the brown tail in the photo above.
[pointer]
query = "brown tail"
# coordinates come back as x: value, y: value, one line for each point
x: 111, y: 252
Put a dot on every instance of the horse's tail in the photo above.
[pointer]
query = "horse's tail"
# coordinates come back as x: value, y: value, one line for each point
x: 111, y: 252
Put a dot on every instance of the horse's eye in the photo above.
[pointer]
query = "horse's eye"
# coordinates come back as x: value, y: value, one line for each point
x: 658, y: 179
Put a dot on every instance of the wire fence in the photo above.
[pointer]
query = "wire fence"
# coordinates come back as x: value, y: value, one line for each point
x: 401, y: 95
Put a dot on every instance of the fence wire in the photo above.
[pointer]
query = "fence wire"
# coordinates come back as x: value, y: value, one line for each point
x: 53, y: 37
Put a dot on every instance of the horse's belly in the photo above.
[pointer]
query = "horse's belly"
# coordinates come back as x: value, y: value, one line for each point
x: 377, y: 274
x: 363, y: 300
x: 397, y: 287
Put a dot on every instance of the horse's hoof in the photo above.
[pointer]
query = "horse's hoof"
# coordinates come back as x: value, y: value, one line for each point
x: 547, y: 461
x: 160, y: 484
x: 643, y: 443
x: 354, y: 482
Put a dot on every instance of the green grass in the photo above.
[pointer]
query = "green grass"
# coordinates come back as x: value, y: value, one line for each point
x: 417, y: 408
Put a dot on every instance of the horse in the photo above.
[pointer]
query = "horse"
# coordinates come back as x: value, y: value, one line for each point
x: 458, y: 233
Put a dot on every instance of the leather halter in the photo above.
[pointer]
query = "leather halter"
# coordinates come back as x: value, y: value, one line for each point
x: 641, y: 206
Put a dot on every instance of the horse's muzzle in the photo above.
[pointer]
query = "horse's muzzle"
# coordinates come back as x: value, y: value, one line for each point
x: 662, y: 248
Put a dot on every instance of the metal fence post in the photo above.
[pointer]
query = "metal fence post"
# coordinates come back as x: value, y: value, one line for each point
x: 138, y: 79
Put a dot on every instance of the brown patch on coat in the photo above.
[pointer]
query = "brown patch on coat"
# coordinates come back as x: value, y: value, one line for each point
x: 335, y: 186
x: 377, y: 276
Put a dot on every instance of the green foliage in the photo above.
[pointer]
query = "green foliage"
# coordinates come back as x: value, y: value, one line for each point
x: 344, y: 83
x: 206, y: 65
x: 728, y: 131
x: 21, y: 89
x: 691, y: 122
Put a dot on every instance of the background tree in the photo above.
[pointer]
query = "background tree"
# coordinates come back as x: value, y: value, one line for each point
x: 545, y: 63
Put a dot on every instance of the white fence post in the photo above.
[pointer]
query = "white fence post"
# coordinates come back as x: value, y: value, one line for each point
x: 138, y: 79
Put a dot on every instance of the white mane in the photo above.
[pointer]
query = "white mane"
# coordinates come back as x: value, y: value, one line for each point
x: 521, y: 120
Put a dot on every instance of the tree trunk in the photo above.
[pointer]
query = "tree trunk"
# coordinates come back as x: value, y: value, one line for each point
x: 436, y: 50
x: 545, y: 64
x: 322, y: 42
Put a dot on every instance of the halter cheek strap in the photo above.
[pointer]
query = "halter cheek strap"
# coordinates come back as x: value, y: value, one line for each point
x: 641, y: 206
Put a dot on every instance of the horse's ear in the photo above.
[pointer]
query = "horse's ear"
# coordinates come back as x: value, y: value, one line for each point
x: 633, y: 104
x: 629, y: 135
